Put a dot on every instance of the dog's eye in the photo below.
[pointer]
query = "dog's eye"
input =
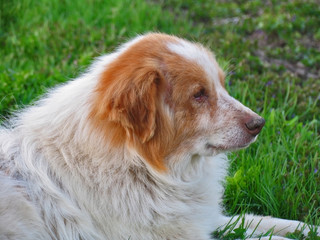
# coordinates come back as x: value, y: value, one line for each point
x: 201, y: 95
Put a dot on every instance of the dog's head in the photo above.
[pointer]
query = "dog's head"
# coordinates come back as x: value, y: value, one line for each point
x: 162, y: 95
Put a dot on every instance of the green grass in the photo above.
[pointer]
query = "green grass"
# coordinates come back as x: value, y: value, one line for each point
x: 271, y: 53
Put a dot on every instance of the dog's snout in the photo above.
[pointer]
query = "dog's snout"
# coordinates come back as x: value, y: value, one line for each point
x: 254, y: 125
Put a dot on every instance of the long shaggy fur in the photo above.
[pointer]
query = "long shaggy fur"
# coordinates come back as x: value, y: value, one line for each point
x: 129, y: 150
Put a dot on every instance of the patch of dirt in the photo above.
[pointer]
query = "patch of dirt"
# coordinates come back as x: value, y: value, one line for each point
x: 310, y: 43
x: 298, y: 69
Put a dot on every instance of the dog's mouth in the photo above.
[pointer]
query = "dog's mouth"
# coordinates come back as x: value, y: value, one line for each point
x: 232, y: 146
x: 224, y: 148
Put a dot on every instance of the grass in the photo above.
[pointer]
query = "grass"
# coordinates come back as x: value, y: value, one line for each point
x: 271, y: 53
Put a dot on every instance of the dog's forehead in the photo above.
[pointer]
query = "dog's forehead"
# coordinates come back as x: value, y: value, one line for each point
x: 200, y: 55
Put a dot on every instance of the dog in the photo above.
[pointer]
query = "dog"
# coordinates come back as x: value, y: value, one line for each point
x: 135, y: 148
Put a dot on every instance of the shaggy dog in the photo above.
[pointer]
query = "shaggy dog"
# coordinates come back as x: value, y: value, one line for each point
x: 132, y: 149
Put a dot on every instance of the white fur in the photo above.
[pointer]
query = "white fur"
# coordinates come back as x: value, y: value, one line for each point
x: 60, y: 180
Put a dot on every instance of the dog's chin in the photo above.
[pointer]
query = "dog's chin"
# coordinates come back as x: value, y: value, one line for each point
x: 229, y: 147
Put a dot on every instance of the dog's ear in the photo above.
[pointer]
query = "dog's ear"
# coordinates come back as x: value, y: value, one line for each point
x: 130, y: 99
x: 135, y: 106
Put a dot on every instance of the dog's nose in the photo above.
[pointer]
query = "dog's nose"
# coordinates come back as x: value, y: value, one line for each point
x: 254, y: 125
